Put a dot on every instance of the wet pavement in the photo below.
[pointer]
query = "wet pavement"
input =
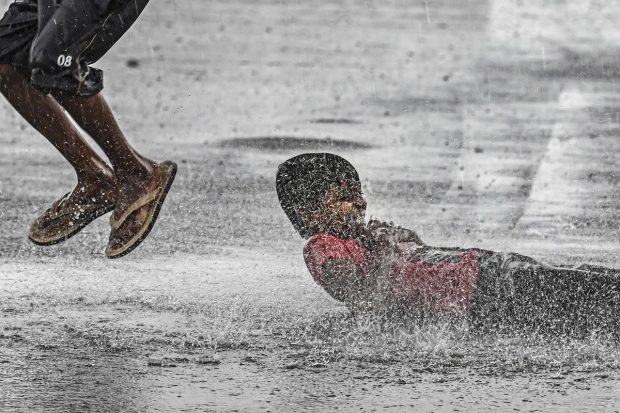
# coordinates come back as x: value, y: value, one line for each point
x: 490, y: 124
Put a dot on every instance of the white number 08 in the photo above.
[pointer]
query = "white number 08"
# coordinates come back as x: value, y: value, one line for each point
x: 64, y: 60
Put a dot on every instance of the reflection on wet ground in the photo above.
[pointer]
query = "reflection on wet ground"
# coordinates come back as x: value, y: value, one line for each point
x: 479, y: 123
x: 293, y: 143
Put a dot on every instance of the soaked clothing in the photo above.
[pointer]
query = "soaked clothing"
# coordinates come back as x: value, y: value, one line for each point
x: 443, y: 282
x: 53, y: 42
x: 491, y: 289
x: 515, y: 290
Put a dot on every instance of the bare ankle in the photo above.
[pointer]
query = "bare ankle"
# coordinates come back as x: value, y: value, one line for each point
x: 138, y: 173
x: 103, y: 178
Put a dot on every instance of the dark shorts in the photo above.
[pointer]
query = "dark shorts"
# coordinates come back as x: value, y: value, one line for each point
x: 515, y: 291
x: 54, y: 42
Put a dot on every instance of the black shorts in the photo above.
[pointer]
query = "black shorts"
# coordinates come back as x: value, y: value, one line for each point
x: 515, y: 291
x: 53, y: 42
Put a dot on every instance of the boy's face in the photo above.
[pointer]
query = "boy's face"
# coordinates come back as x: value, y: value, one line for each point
x: 342, y: 214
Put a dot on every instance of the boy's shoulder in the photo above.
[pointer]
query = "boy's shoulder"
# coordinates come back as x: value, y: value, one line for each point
x: 324, y: 247
x: 328, y: 241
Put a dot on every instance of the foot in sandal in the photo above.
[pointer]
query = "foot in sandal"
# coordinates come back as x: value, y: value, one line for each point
x: 75, y: 210
x: 137, y: 208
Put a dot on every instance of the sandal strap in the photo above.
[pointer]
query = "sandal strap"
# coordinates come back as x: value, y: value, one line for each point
x: 77, y: 209
x: 116, y: 223
x: 54, y: 210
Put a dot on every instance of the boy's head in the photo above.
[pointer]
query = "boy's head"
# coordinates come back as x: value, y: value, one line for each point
x: 321, y: 192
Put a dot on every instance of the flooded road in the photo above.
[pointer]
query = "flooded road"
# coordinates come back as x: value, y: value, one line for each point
x: 477, y: 123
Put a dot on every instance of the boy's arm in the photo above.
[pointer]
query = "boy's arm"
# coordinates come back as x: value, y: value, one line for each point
x: 385, y: 232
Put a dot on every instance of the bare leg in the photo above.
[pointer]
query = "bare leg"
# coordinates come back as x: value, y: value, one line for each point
x: 134, y: 173
x: 95, y: 178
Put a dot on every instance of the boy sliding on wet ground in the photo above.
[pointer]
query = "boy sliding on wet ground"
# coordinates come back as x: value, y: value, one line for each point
x: 46, y: 47
x: 379, y: 266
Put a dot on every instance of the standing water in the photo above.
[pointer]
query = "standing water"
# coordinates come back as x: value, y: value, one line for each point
x: 477, y: 123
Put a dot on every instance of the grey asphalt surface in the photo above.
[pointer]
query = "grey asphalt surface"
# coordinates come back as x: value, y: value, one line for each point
x: 477, y: 123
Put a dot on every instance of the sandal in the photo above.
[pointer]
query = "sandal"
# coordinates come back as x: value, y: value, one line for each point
x: 153, y: 200
x: 64, y: 219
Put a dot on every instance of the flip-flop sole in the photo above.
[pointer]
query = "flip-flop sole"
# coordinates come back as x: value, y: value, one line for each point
x: 87, y: 220
x: 150, y: 222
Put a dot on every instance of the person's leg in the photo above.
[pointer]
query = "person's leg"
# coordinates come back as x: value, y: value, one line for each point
x: 95, y: 178
x: 135, y: 174
x: 95, y: 192
x: 76, y: 86
x: 596, y: 295
x: 78, y: 34
x: 569, y: 301
x: 517, y: 294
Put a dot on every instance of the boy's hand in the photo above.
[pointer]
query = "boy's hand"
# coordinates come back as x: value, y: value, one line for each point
x: 388, y: 233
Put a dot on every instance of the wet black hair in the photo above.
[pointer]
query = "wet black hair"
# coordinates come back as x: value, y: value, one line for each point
x: 303, y: 181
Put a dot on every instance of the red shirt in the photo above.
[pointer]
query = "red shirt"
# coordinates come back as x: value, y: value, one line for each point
x: 444, y: 286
